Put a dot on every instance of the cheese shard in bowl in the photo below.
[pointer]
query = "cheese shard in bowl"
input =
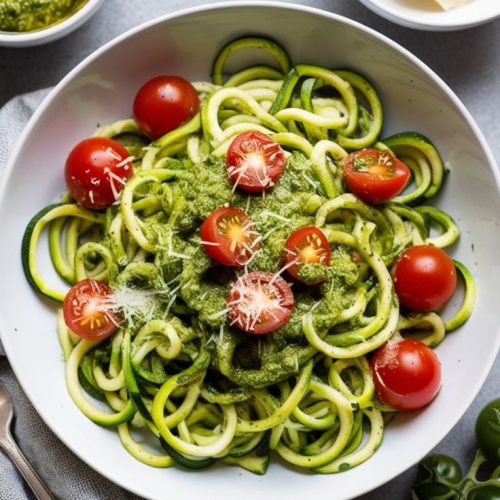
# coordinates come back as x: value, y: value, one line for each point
x: 452, y: 4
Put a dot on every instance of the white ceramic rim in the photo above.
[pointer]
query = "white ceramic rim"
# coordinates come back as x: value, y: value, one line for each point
x: 51, y: 33
x: 381, y: 8
x: 405, y: 463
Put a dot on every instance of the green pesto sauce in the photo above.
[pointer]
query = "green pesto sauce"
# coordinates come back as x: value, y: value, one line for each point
x: 312, y: 273
x: 32, y: 15
x: 203, y: 285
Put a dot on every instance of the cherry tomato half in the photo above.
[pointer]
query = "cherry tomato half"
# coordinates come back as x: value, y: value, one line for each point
x: 228, y: 237
x: 260, y: 302
x: 163, y: 103
x: 375, y: 176
x: 424, y: 278
x: 254, y: 162
x: 89, y: 310
x: 406, y: 373
x: 307, y: 245
x: 96, y: 171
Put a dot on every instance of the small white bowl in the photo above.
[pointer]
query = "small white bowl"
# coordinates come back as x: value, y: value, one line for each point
x: 427, y: 15
x: 51, y: 33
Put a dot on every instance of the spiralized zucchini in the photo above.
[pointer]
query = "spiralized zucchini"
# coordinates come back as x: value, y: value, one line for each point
x: 176, y: 369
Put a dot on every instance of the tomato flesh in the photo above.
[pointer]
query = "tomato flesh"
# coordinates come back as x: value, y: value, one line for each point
x: 425, y: 278
x: 254, y: 162
x: 406, y: 374
x: 375, y: 176
x: 96, y: 170
x: 228, y: 237
x: 89, y: 310
x: 163, y: 103
x: 307, y: 245
x: 260, y: 302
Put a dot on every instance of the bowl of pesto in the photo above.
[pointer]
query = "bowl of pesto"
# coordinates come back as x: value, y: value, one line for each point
x: 212, y: 296
x: 25, y: 23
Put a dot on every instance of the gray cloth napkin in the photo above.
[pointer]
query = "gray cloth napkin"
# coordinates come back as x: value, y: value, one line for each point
x: 65, y: 474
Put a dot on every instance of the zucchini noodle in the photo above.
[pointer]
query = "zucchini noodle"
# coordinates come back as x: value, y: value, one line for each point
x: 176, y: 369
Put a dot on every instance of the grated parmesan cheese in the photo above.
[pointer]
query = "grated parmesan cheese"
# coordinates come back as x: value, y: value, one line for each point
x: 135, y: 305
x: 452, y: 4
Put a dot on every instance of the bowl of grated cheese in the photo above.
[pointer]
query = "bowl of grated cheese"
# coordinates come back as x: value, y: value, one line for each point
x: 436, y: 15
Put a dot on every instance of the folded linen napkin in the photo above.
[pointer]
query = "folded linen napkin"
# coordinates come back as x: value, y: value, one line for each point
x: 64, y: 473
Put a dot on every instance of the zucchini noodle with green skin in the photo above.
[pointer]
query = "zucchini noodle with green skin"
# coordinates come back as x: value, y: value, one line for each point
x: 176, y: 367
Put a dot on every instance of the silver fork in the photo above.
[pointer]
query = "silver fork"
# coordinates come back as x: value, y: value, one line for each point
x: 8, y: 444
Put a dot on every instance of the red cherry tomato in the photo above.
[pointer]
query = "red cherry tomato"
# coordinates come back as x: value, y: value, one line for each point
x: 307, y: 245
x: 375, y: 176
x: 406, y: 373
x: 96, y: 171
x: 424, y: 278
x: 163, y: 103
x: 254, y: 162
x: 260, y: 302
x: 89, y: 310
x: 228, y: 237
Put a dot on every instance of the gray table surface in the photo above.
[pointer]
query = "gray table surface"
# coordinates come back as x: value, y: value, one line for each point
x: 468, y: 61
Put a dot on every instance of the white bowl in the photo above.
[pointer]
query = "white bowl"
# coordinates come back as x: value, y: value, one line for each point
x: 52, y: 33
x: 427, y: 15
x: 102, y: 88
